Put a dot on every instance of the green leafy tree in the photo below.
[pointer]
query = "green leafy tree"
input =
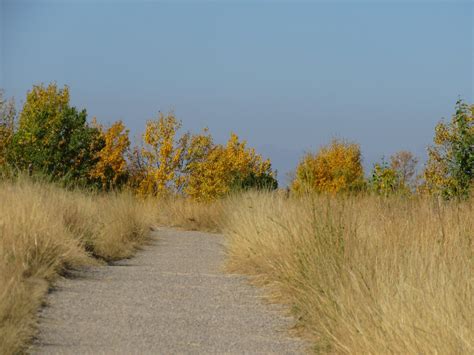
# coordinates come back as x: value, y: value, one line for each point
x: 384, y: 180
x: 253, y: 181
x: 450, y: 168
x: 54, y: 138
x: 398, y: 177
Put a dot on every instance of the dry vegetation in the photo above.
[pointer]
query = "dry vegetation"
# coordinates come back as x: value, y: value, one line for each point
x: 360, y: 274
x: 44, y: 230
x: 191, y: 215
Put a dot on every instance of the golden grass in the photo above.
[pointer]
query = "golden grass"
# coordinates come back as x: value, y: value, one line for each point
x: 191, y: 215
x: 360, y: 274
x: 43, y: 231
x: 363, y: 274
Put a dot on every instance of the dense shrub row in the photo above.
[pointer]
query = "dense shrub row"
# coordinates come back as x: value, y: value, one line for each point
x: 52, y: 138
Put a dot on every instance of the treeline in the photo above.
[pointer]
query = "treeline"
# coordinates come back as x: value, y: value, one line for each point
x: 50, y: 137
x: 449, y: 171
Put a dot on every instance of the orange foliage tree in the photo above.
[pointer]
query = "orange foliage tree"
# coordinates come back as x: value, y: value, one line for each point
x: 334, y: 168
x: 111, y: 168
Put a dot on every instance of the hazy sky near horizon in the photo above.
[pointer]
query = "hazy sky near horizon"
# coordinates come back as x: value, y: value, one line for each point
x: 286, y: 76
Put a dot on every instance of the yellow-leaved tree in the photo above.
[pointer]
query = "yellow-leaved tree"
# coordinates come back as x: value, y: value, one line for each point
x: 336, y: 167
x: 193, y: 165
x: 111, y: 168
x: 48, y: 101
x: 219, y: 169
x: 162, y: 156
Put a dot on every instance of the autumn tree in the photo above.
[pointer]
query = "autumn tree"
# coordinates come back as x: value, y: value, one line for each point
x: 219, y: 169
x: 248, y: 169
x: 170, y: 162
x: 54, y: 138
x: 162, y: 155
x: 384, y: 179
x: 208, y: 177
x: 450, y: 167
x: 398, y: 177
x: 404, y: 164
x: 111, y: 168
x: 336, y: 167
x: 136, y: 168
x: 7, y: 126
x: 199, y: 150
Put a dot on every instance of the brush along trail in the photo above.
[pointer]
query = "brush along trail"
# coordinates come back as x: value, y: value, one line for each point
x: 172, y: 297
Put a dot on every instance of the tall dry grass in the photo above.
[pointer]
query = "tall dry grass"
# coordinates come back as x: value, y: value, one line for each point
x: 187, y: 214
x: 362, y: 275
x: 45, y: 230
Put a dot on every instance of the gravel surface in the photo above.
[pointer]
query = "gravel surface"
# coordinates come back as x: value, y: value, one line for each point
x: 171, y: 298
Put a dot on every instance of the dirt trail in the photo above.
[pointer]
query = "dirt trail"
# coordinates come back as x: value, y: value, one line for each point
x: 171, y: 298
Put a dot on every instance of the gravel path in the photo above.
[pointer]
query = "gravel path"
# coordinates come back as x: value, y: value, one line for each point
x: 171, y: 298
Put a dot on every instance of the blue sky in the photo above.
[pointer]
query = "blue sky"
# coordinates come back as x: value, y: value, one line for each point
x: 286, y: 76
